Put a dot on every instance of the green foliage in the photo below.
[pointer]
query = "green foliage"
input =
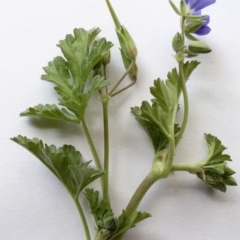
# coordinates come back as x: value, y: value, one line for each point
x: 66, y: 163
x: 158, y: 118
x: 82, y: 54
x: 126, y: 221
x: 162, y: 112
x: 103, y: 215
x: 79, y: 106
x: 71, y: 74
x: 189, y: 67
x: 51, y: 112
x: 215, y: 173
x: 159, y: 140
x: 176, y: 10
x: 108, y: 226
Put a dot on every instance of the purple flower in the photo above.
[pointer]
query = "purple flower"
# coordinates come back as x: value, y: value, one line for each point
x: 195, y: 7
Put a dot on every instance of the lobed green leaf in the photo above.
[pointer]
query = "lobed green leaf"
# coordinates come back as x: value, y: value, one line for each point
x: 214, y: 172
x: 189, y: 67
x: 51, y: 112
x: 66, y: 163
x: 103, y: 215
x: 126, y: 221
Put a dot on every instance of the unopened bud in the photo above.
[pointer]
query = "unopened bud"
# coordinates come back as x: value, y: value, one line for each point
x: 199, y: 47
x: 177, y: 42
x: 128, y: 47
x: 127, y: 62
x: 106, y: 59
x: 127, y: 44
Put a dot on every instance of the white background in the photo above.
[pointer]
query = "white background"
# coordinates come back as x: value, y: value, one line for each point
x: 33, y: 204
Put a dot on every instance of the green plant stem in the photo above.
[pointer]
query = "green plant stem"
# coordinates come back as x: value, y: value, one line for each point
x: 186, y: 104
x: 105, y: 76
x: 83, y: 218
x: 183, y: 29
x: 171, y: 150
x: 105, y: 100
x: 187, y: 167
x: 125, y: 88
x: 113, y: 14
x: 92, y: 148
x: 122, y: 78
x: 184, y: 89
x: 137, y: 197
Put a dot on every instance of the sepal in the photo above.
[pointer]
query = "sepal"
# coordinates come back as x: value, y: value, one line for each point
x: 174, y: 7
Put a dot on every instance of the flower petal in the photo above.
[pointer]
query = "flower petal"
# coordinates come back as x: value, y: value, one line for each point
x: 204, y: 30
x: 197, y: 5
x: 207, y: 19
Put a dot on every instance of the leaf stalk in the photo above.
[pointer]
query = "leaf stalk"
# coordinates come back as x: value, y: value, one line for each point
x: 83, y: 218
x: 105, y: 101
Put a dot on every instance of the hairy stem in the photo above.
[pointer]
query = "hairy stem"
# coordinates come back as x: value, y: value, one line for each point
x: 142, y: 189
x: 105, y: 76
x: 186, y: 104
x: 184, y: 89
x: 125, y: 88
x: 113, y: 14
x: 187, y: 167
x: 83, y: 218
x: 92, y: 148
x: 111, y: 93
x: 105, y: 101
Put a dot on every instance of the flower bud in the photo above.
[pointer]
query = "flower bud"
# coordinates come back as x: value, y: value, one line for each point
x: 177, y: 42
x: 199, y: 47
x: 106, y: 59
x: 127, y: 62
x: 128, y: 47
x: 127, y: 44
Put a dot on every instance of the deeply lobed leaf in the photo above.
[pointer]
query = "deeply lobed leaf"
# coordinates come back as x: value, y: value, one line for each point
x: 214, y: 172
x: 82, y: 53
x: 126, y: 221
x: 66, y: 163
x: 51, y: 112
x: 103, y: 215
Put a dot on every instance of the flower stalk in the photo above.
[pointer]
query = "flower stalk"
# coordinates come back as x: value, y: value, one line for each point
x: 105, y: 101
